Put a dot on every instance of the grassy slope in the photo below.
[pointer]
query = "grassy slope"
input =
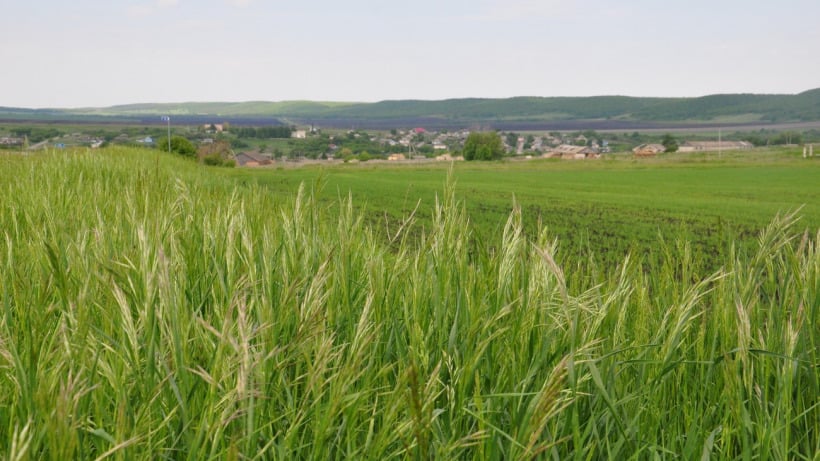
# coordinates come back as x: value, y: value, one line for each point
x: 154, y: 310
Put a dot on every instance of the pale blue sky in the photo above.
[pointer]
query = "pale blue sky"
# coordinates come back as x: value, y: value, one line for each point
x: 99, y: 53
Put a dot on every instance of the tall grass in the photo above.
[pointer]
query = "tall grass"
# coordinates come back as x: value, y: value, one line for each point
x: 163, y: 313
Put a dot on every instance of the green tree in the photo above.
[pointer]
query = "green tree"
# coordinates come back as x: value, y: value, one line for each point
x: 218, y: 153
x: 238, y: 143
x: 512, y: 139
x: 483, y: 146
x: 788, y: 137
x: 346, y: 154
x: 670, y: 143
x: 179, y: 145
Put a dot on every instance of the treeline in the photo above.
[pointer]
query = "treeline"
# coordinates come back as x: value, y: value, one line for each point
x: 265, y: 132
x: 776, y: 138
x: 353, y: 143
x: 34, y: 134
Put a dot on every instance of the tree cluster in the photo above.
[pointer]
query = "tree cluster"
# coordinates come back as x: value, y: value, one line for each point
x: 35, y: 135
x: 774, y: 138
x: 264, y: 132
x: 218, y: 153
x: 669, y: 143
x: 485, y: 145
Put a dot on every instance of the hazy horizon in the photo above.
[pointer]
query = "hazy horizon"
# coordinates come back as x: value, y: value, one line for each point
x: 90, y: 53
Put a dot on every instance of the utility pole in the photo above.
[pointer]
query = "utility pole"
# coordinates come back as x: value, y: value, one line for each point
x: 720, y: 144
x: 167, y: 120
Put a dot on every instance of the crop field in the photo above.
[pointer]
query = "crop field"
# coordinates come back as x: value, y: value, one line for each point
x: 608, y: 208
x: 153, y: 308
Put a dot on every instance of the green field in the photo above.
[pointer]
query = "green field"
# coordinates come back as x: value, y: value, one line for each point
x: 611, y: 207
x: 153, y: 308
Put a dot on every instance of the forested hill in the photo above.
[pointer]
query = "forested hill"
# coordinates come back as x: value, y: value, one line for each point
x: 770, y: 108
x: 740, y: 108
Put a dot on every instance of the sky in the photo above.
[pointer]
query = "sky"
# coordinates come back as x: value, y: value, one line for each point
x: 96, y: 53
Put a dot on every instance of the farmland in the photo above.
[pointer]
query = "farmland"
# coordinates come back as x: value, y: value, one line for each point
x: 155, y: 308
x: 611, y: 207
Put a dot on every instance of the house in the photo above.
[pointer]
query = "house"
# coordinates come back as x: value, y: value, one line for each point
x: 648, y: 150
x: 567, y: 151
x: 299, y: 134
x: 395, y: 157
x: 552, y: 140
x: 449, y: 158
x: 707, y: 146
x: 9, y: 141
x: 213, y: 127
x: 146, y: 140
x: 251, y: 159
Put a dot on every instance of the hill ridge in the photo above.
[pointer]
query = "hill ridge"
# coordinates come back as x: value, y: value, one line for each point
x: 747, y: 107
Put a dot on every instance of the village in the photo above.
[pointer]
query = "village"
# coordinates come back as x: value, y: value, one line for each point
x: 420, y: 145
x: 252, y: 147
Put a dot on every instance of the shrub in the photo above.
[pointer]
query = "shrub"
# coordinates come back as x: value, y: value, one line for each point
x: 179, y: 145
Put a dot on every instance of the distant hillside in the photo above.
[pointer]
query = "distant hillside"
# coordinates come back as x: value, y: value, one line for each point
x: 628, y: 111
x: 239, y: 109
x: 772, y: 108
x: 769, y: 108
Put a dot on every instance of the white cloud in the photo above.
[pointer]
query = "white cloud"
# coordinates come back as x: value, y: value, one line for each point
x: 144, y: 10
x: 239, y: 3
x: 140, y: 11
x: 513, y: 10
x: 201, y: 24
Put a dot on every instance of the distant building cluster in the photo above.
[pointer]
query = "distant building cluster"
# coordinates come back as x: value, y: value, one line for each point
x: 259, y: 146
x: 11, y: 141
x: 703, y: 146
x: 650, y: 150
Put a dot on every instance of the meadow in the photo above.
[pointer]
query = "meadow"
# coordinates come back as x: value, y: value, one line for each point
x: 153, y: 308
